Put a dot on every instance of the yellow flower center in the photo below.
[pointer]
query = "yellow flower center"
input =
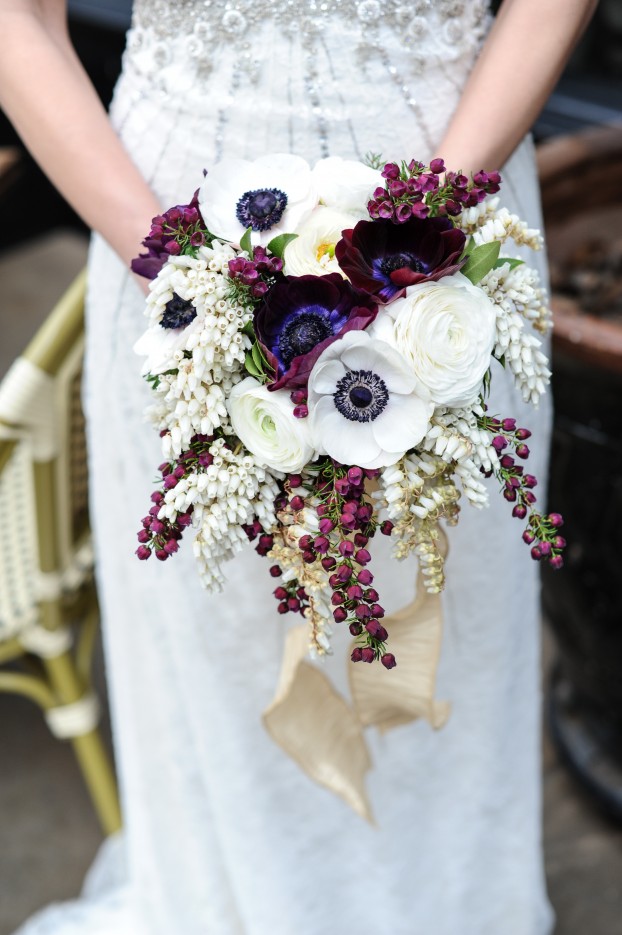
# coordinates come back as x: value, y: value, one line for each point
x: 325, y: 250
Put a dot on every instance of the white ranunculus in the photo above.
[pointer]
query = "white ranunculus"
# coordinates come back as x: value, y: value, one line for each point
x: 264, y: 421
x: 313, y: 250
x: 365, y: 405
x: 346, y: 184
x: 229, y: 182
x: 445, y: 330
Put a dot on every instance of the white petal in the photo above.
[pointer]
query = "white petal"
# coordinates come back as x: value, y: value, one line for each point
x: 345, y: 441
x: 325, y: 377
x: 403, y: 423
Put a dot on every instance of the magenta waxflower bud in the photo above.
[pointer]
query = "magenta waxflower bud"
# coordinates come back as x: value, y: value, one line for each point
x: 157, y: 527
x: 335, y: 581
x: 144, y: 536
x: 368, y: 654
x: 347, y: 520
x: 283, y: 608
x: 337, y: 597
x: 355, y: 629
x: 522, y: 451
x: 371, y: 595
x: 556, y: 519
x: 350, y: 506
x: 507, y: 461
x: 508, y: 425
x: 346, y: 548
x: 545, y: 549
x: 528, y: 537
x: 184, y: 519
x: 328, y: 563
x: 510, y: 494
x: 388, y: 661
x: 390, y: 171
x: 523, y: 434
x: 357, y: 654
x: 308, y: 556
x: 179, y: 471
x: 157, y: 497
x: 556, y: 561
x: 164, y: 468
x: 499, y: 443
x: 301, y: 411
x: 529, y: 497
x: 373, y: 628
x: 298, y: 397
x: 536, y: 554
x: 354, y: 592
x: 295, y: 480
x: 362, y: 612
x: 171, y: 546
x: 297, y: 503
x: 293, y: 604
x: 147, y: 520
x: 340, y: 614
x: 275, y: 571
x: 355, y: 475
x: 161, y: 554
x: 360, y: 541
x: 364, y: 513
x: 344, y: 573
x: 321, y: 544
x: 342, y: 486
x: 143, y: 553
x: 326, y: 525
x: 437, y: 166
x: 377, y: 610
x: 519, y: 511
x: 170, y: 481
x: 304, y: 542
x: 559, y: 542
x: 362, y: 557
x: 382, y: 635
x: 530, y: 481
x: 153, y: 511
x: 280, y: 593
x: 365, y: 576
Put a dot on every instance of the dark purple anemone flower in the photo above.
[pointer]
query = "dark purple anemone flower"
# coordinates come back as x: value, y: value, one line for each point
x: 302, y: 315
x: 383, y: 258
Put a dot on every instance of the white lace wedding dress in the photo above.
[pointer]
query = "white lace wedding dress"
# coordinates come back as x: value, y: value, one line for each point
x: 224, y: 835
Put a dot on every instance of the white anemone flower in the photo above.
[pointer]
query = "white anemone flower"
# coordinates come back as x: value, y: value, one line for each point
x: 365, y: 405
x: 313, y: 250
x: 273, y: 195
x: 346, y: 184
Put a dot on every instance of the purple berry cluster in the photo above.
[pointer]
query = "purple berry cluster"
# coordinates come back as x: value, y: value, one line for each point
x: 416, y: 190
x: 162, y: 536
x: 541, y: 532
x: 258, y: 273
x: 346, y: 526
x: 179, y: 230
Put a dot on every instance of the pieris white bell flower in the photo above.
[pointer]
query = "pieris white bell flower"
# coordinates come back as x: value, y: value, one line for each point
x: 445, y: 331
x: 272, y: 195
x: 264, y: 421
x: 346, y: 184
x: 365, y: 405
x: 313, y: 250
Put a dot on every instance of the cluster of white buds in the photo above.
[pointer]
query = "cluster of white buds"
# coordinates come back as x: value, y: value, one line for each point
x: 522, y: 355
x: 185, y: 408
x: 517, y: 289
x: 487, y: 222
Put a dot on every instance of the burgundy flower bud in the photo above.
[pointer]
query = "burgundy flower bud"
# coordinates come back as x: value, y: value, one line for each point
x: 184, y: 519
x: 295, y: 480
x: 512, y: 482
x: 368, y: 654
x: 364, y: 513
x: 362, y: 612
x: 507, y: 461
x: 280, y: 593
x: 157, y: 527
x: 499, y: 443
x: 536, y: 553
x: 404, y: 212
x: 342, y: 486
x: 308, y: 556
x: 322, y: 509
x: 157, y: 497
x: 523, y: 434
x: 355, y: 475
x: 143, y: 536
x: 335, y: 581
x: 390, y: 171
x: 373, y: 628
x: 362, y: 557
x: 293, y: 604
x: 355, y: 629
x: 346, y: 548
x: 170, y: 481
x: 371, y: 595
x: 382, y: 635
x: 388, y: 661
x: 328, y: 563
x: 350, y: 506
x: 559, y: 542
x: 171, y: 546
x: 297, y: 503
x: 321, y: 544
x: 508, y: 425
x: 377, y: 610
x: 354, y: 592
x: 519, y: 511
x: 556, y: 561
x: 522, y: 451
x: 555, y: 519
x: 529, y: 497
x: 301, y: 593
x: 206, y: 459
x: 347, y: 520
x: 545, y: 549
x: 326, y: 526
x: 357, y: 654
x: 340, y: 614
x: 275, y: 571
x: 143, y: 553
x: 387, y: 528
x: 530, y: 481
x: 528, y: 537
x: 385, y: 210
x: 510, y: 494
x: 437, y: 166
x: 344, y: 573
x: 365, y: 576
x: 301, y: 412
x: 153, y: 511
x: 283, y: 608
x: 360, y: 541
x: 337, y: 598
x: 161, y: 554
x: 146, y: 521
x: 304, y: 542
x: 179, y: 471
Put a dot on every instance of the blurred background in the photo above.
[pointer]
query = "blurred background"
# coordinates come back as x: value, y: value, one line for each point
x: 49, y: 831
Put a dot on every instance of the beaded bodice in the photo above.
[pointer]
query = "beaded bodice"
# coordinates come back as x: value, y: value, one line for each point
x: 323, y: 63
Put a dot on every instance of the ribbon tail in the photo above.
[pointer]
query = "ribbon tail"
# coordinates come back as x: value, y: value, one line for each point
x: 314, y: 725
x: 389, y: 698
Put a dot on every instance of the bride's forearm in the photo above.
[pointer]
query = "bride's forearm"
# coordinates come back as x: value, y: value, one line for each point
x: 53, y: 106
x: 521, y: 61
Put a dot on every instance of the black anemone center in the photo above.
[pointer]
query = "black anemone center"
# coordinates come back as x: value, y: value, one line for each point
x: 361, y: 395
x: 178, y: 312
x: 302, y: 333
x: 398, y: 261
x: 261, y: 209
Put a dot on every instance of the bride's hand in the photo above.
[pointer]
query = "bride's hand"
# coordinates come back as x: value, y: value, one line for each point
x: 520, y: 63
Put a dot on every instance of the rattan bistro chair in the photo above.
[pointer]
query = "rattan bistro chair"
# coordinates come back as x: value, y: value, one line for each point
x: 47, y: 592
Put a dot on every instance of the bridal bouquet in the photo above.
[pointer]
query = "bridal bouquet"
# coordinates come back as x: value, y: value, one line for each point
x: 320, y: 348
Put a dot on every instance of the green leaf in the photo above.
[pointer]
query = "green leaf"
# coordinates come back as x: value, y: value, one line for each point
x: 509, y: 261
x: 481, y: 260
x: 257, y: 357
x: 468, y: 248
x: 245, y: 242
x: 277, y: 244
x: 248, y: 329
x: 249, y: 363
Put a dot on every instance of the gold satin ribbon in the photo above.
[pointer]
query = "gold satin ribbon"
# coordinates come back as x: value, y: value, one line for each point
x: 315, y: 725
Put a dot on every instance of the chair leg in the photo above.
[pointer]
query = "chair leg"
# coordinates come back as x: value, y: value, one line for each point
x: 87, y: 743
